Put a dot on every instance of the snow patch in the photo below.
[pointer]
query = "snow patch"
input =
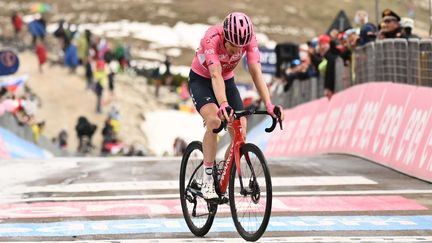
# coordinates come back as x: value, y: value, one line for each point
x: 162, y: 127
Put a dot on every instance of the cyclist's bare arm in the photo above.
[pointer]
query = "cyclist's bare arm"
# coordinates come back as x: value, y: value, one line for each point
x: 218, y: 83
x: 256, y: 74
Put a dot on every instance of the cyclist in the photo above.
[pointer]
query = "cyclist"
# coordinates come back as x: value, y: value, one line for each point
x: 211, y: 82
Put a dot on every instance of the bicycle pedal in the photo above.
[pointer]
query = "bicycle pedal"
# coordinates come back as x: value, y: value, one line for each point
x: 224, y: 200
x: 212, y: 200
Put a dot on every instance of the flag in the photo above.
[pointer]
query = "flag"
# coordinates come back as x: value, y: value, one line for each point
x: 13, y: 83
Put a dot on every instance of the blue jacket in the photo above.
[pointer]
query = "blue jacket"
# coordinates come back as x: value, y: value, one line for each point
x: 71, y: 56
x: 36, y: 28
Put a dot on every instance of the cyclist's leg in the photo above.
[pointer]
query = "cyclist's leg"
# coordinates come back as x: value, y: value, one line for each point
x: 212, y: 121
x: 236, y: 102
x: 205, y: 102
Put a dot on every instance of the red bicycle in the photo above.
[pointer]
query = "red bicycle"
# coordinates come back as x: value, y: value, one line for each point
x: 244, y: 173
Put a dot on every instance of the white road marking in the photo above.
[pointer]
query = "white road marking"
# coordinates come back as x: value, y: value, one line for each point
x: 17, y: 199
x: 311, y: 239
x: 174, y: 184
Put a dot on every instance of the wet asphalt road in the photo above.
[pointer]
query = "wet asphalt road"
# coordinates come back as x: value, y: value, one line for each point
x: 331, y: 198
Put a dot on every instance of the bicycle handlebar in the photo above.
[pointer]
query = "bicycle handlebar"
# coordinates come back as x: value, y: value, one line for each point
x: 239, y: 114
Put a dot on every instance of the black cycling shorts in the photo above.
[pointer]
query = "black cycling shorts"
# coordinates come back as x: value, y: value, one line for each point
x: 201, y: 91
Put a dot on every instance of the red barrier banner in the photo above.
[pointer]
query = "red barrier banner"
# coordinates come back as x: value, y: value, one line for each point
x: 384, y: 122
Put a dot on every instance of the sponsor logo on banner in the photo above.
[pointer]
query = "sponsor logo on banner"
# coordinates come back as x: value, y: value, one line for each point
x: 365, y: 125
x: 412, y: 135
x: 426, y: 155
x: 340, y: 138
x: 315, y: 131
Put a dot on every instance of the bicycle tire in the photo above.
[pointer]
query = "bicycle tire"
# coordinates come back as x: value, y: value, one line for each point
x: 251, y: 175
x: 196, y: 167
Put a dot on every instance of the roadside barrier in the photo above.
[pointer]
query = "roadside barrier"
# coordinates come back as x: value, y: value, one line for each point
x: 384, y: 122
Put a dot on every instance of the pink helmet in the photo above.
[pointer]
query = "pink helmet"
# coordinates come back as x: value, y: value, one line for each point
x: 238, y: 29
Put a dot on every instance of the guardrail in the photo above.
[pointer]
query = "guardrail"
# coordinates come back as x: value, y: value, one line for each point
x: 396, y: 60
x: 8, y: 122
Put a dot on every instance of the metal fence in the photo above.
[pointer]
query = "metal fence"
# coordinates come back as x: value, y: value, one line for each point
x: 390, y: 60
x: 395, y: 60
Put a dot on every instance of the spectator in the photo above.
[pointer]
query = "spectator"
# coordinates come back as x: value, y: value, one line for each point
x: 127, y: 57
x: 334, y: 34
x: 183, y: 91
x: 37, y: 29
x: 114, y: 113
x: 352, y: 39
x: 62, y: 139
x: 390, y: 25
x: 361, y: 18
x: 313, y: 52
x: 37, y: 129
x: 100, y: 79
x: 327, y: 66
x: 17, y: 23
x: 407, y: 25
x: 120, y: 56
x: 102, y: 48
x: 83, y: 45
x: 71, y: 57
x: 368, y: 33
x: 167, y: 65
x: 71, y: 31
x: 88, y: 72
x: 300, y: 69
x: 60, y: 35
x: 179, y: 146
x: 3, y: 92
x: 24, y: 111
x: 41, y: 54
x: 155, y: 75
x: 85, y: 131
x: 112, y: 67
x: 110, y: 136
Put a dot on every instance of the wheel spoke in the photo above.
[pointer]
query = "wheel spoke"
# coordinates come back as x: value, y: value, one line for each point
x: 251, y: 212
x: 195, y: 208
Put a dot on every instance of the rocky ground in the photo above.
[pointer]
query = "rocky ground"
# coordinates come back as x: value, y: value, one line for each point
x: 64, y: 98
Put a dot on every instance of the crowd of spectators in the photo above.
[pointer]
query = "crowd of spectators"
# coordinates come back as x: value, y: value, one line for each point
x: 72, y: 47
x: 23, y: 107
x: 317, y: 57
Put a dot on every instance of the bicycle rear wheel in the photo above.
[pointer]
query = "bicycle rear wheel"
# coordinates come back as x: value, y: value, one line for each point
x: 198, y: 214
x: 250, y: 193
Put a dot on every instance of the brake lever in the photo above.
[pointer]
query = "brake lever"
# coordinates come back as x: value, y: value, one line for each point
x: 278, y: 114
x: 223, y: 125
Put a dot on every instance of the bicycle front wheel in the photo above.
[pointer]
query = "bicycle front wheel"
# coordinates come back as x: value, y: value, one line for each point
x: 250, y: 193
x: 199, y: 214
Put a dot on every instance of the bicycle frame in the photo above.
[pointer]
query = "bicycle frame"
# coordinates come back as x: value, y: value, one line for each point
x: 237, y: 142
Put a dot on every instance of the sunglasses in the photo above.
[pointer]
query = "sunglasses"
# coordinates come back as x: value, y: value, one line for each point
x: 389, y: 20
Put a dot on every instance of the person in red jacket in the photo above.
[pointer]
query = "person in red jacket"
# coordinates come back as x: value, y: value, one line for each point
x: 41, y: 54
x: 17, y: 22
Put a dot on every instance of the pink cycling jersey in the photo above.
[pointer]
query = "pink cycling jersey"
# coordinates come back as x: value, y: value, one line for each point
x: 212, y: 51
